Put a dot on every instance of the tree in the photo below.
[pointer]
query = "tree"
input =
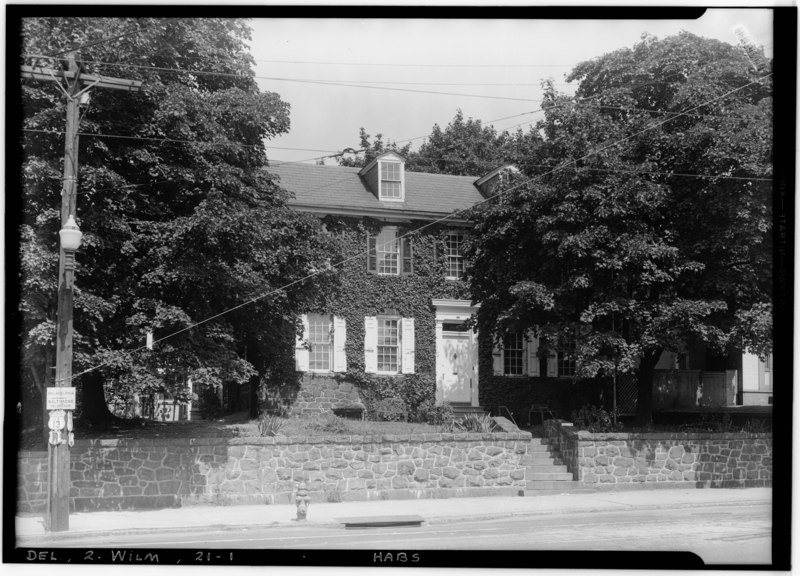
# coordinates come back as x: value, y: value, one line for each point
x: 182, y: 220
x: 369, y: 150
x: 643, y: 227
x: 463, y: 148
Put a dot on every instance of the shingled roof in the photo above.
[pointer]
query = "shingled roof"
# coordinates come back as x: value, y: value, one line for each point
x: 340, y: 190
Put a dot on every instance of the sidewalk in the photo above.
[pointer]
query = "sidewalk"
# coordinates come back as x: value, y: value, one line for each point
x: 433, y: 511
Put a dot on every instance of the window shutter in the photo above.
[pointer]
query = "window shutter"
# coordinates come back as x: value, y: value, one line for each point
x: 532, y: 345
x: 407, y: 345
x: 300, y: 348
x: 372, y: 254
x: 370, y: 344
x: 552, y: 364
x: 407, y: 250
x: 339, y: 338
x: 497, y: 359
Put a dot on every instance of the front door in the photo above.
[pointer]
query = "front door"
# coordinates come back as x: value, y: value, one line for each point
x: 458, y: 365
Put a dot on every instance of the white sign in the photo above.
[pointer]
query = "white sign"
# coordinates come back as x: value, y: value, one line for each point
x: 60, y: 398
x: 56, y: 421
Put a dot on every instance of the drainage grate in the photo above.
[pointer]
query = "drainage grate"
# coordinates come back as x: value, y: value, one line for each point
x: 381, y: 521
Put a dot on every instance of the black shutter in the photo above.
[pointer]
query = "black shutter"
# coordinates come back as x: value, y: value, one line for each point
x: 407, y: 249
x: 372, y: 255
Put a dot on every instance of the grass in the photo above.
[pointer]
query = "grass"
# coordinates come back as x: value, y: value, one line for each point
x: 331, y: 425
x: 237, y: 425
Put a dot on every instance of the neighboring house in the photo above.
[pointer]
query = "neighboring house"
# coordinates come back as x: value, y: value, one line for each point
x: 697, y: 378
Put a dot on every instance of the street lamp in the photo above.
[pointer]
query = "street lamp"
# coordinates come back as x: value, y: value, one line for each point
x: 61, y: 398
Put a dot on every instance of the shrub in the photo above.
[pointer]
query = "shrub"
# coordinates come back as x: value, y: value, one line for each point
x: 331, y: 424
x: 435, y: 415
x: 595, y: 419
x: 475, y: 423
x: 269, y: 425
x: 756, y: 426
x: 390, y: 410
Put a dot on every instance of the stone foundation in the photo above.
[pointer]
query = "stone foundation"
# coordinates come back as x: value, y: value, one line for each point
x: 703, y: 460
x: 320, y: 394
x: 148, y: 474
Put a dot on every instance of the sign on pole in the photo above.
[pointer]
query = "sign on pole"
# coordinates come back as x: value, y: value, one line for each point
x: 60, y: 398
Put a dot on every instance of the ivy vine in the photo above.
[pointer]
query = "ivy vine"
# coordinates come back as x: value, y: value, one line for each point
x: 360, y: 294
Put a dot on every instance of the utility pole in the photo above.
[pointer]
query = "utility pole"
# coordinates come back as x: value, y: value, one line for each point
x: 61, y: 398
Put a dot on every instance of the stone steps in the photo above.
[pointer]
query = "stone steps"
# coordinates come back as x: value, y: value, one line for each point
x: 543, y: 475
x: 537, y: 459
x: 549, y: 468
x: 567, y: 485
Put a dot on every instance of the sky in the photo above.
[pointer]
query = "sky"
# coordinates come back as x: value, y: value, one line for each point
x: 503, y: 60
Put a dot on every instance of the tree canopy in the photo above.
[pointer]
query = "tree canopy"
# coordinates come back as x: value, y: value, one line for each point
x: 462, y: 148
x: 643, y: 221
x: 181, y: 219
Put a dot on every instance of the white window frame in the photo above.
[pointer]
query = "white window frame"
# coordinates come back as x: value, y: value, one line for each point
x: 459, y: 256
x: 530, y: 358
x: 337, y: 339
x: 406, y: 347
x: 522, y: 350
x: 381, y: 249
x: 312, y: 344
x: 401, y: 180
x: 398, y: 347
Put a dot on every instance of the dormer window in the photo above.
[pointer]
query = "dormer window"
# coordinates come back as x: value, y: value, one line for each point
x: 391, y: 184
x: 488, y: 183
x: 385, y: 177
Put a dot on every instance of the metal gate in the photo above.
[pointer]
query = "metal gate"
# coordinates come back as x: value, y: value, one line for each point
x: 627, y: 393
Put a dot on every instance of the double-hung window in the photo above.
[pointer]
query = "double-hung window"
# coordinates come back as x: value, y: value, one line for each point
x: 388, y: 254
x: 320, y: 342
x: 513, y: 354
x: 454, y: 257
x: 388, y: 251
x: 519, y: 354
x: 391, y: 180
x: 320, y: 347
x: 566, y: 360
x: 388, y: 345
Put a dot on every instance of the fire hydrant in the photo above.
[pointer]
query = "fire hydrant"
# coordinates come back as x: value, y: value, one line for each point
x: 302, y: 500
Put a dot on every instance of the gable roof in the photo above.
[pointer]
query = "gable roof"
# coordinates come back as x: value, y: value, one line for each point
x: 340, y: 190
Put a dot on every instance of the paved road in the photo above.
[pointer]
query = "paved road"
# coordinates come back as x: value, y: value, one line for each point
x: 721, y: 534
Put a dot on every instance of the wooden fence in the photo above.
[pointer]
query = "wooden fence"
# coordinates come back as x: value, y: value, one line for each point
x: 693, y: 389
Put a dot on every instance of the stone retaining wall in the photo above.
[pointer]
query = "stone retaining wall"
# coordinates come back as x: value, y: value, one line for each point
x: 703, y: 460
x: 147, y: 474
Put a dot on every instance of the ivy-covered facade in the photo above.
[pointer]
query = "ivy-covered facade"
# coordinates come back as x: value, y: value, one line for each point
x: 396, y: 336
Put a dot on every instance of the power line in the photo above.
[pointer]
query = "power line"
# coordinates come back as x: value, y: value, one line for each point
x: 424, y: 226
x: 176, y: 141
x: 385, y: 65
x: 317, y: 82
x: 103, y: 40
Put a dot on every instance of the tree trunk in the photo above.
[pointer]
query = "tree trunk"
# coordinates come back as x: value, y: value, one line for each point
x: 644, y: 401
x: 94, y: 408
x: 254, y: 382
